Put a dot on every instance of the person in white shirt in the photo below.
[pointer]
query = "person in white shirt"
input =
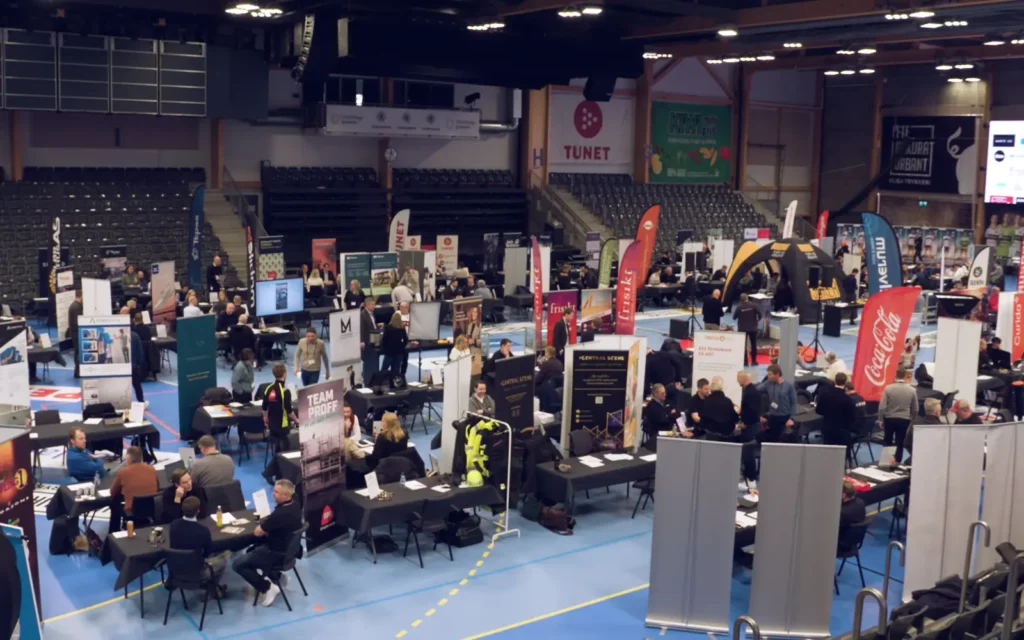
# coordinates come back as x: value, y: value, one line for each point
x: 461, y: 349
x: 835, y: 365
x: 192, y: 310
x: 401, y: 294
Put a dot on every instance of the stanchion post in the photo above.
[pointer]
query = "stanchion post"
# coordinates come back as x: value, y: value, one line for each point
x: 895, y: 544
x: 858, y: 611
x: 508, y: 480
x: 737, y: 628
x: 972, y: 529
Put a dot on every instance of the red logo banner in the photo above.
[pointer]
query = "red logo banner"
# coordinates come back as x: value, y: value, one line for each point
x: 538, y: 296
x: 558, y: 302
x: 822, y: 224
x: 1017, y: 343
x: 646, y: 235
x: 884, y: 325
x: 1020, y: 270
x: 630, y: 280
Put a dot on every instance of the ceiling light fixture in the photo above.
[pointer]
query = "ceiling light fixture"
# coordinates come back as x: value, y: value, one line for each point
x: 730, y: 60
x: 793, y: 45
x: 244, y: 6
x: 570, y: 12
x: 592, y: 10
x: 954, y: 80
x: 831, y: 72
x: 921, y: 14
x: 765, y: 57
x: 995, y: 42
x: 236, y: 11
x: 657, y: 55
x: 972, y: 79
x: 897, y: 16
x: 486, y: 26
x: 847, y: 72
x: 943, y: 67
x: 931, y: 25
x: 714, y: 61
x: 955, y: 23
x: 866, y: 51
x: 1016, y: 41
x: 845, y: 52
x: 728, y: 32
x: 748, y: 59
x: 964, y: 65
x: 867, y: 71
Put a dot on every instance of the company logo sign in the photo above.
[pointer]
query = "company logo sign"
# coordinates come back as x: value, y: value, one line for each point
x: 884, y: 330
x: 588, y: 119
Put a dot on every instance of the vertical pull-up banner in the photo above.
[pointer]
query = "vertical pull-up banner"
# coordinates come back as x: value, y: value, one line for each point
x: 609, y: 251
x: 787, y: 227
x: 250, y: 266
x: 195, y: 241
x: 322, y: 447
x: 513, y: 391
x: 694, y: 533
x: 197, y: 367
x: 1004, y: 472
x: 346, y: 354
x: 822, y: 225
x: 884, y: 326
x: 271, y: 259
x: 399, y: 231
x: 1017, y: 341
x: 19, y: 563
x: 647, y: 235
x: 537, y: 274
x: 456, y: 403
x: 950, y: 459
x: 627, y: 288
x: 885, y: 267
x: 795, y: 545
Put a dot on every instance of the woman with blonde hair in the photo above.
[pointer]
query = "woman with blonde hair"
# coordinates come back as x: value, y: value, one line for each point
x: 392, y: 344
x: 392, y: 438
x: 461, y: 349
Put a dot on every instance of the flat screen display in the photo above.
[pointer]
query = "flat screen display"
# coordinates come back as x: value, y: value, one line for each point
x: 274, y: 297
x: 1004, y: 171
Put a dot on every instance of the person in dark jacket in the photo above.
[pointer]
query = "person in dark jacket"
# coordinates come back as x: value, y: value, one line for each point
x: 392, y: 344
x: 75, y: 310
x: 278, y: 413
x: 747, y: 317
x: 369, y: 340
x: 175, y: 495
x: 588, y: 279
x: 392, y: 439
x: 713, y: 311
x: 932, y: 415
x: 718, y: 417
x: 562, y: 332
x: 186, y: 533
x: 550, y: 367
x: 660, y: 369
x: 749, y: 425
x: 783, y: 298
x: 852, y: 510
x: 504, y: 351
x: 241, y: 337
x: 718, y: 275
x: 838, y: 413
x: 965, y: 413
x: 696, y: 406
x: 138, y: 366
x: 658, y: 416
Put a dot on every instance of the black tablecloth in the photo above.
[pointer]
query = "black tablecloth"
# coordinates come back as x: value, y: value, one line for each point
x: 169, y: 343
x: 45, y: 354
x: 807, y: 380
x: 135, y: 556
x: 203, y: 423
x: 362, y: 403
x: 556, y: 486
x: 56, y: 435
x: 362, y: 514
x: 65, y: 503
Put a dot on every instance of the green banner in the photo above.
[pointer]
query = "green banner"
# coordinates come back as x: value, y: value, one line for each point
x: 609, y: 251
x: 197, y: 367
x: 690, y: 142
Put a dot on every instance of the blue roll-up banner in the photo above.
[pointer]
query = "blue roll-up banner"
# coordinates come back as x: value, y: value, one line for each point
x: 884, y: 265
x: 195, y: 240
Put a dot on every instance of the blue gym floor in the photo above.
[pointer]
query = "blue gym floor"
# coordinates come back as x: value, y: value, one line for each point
x: 589, y: 585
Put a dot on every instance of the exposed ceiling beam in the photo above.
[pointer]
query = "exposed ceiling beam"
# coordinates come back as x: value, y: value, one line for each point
x: 531, y: 6
x: 791, y: 13
x: 894, y: 58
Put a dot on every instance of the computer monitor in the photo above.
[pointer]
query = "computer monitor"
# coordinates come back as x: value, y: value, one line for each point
x: 274, y: 297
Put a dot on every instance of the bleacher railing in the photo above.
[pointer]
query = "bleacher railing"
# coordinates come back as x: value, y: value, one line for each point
x: 576, y: 228
x: 240, y: 205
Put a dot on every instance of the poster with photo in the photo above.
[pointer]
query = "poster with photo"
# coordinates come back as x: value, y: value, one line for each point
x: 930, y: 244
x: 114, y: 260
x: 949, y: 239
x: 104, y: 346
x: 596, y: 311
x: 14, y: 386
x: 162, y: 288
x: 964, y: 246
x: 429, y: 276
x: 598, y: 394
x: 383, y: 273
x: 270, y: 260
x: 466, y: 320
x: 634, y: 396
x: 62, y: 300
x: 117, y: 391
x: 325, y: 254
x: 322, y: 446
x: 447, y: 255
x: 513, y: 391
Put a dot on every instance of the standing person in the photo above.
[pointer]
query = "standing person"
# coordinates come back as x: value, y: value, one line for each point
x: 897, y: 408
x: 719, y: 416
x: 124, y: 341
x: 837, y: 411
x: 694, y: 411
x: 480, y: 402
x: 354, y: 297
x: 277, y: 409
x: 275, y: 532
x: 392, y: 345
x: 137, y: 358
x: 214, y: 273
x: 75, y: 310
x: 562, y: 332
x: 369, y: 339
x: 747, y: 317
x: 713, y: 311
x: 242, y: 377
x: 310, y: 353
x: 749, y: 423
x: 781, y: 405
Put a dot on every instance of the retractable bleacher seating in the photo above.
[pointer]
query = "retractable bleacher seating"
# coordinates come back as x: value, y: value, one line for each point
x: 302, y: 203
x: 145, y: 210
x: 618, y: 202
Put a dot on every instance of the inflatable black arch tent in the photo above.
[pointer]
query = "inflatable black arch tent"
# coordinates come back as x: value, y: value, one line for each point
x: 794, y: 258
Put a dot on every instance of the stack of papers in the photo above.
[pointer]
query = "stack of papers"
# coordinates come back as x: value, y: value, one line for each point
x: 744, y: 520
x: 233, y: 530
x: 415, y: 485
x: 416, y: 384
x: 442, y: 488
x: 591, y: 461
x: 876, y: 474
x: 653, y: 457
x: 365, y: 391
x: 364, y: 492
x: 94, y: 421
x: 617, y: 457
x: 291, y: 455
x: 218, y: 411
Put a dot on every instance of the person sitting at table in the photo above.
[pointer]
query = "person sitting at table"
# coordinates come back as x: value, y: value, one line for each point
x: 240, y: 306
x: 241, y: 337
x: 227, y: 319
x: 932, y: 415
x: 668, y: 276
x: 392, y: 439
x: 134, y: 479
x: 392, y: 345
x: 1000, y: 358
x: 718, y: 275
x: 83, y: 465
x: 480, y: 402
x: 221, y: 303
x: 693, y: 411
x: 658, y: 416
x: 354, y: 297
x: 852, y: 510
x: 550, y: 367
x: 460, y: 350
x: 214, y: 468
x: 351, y: 424
x: 277, y: 409
x: 718, y: 416
x: 192, y: 310
x: 504, y: 351
x: 965, y: 413
x: 186, y: 533
x: 835, y: 365
x: 129, y: 279
x: 482, y: 291
x: 275, y: 532
x: 713, y: 310
x: 242, y: 377
x: 655, y: 279
x: 837, y: 411
x: 173, y: 496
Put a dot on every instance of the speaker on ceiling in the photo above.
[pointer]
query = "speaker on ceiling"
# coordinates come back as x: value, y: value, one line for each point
x: 304, y: 38
x: 599, y: 88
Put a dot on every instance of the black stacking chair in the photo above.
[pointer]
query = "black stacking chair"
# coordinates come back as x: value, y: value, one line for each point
x: 188, y: 570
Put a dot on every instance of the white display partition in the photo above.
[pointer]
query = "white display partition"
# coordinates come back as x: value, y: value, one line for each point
x: 956, y: 358
x: 425, y: 321
x: 694, y: 533
x: 517, y: 268
x: 722, y: 254
x: 797, y: 532
x: 15, y: 394
x: 1003, y: 478
x: 457, y: 375
x: 1004, y: 319
x: 945, y: 497
x: 720, y: 353
x: 789, y: 329
x: 827, y: 244
x: 96, y: 299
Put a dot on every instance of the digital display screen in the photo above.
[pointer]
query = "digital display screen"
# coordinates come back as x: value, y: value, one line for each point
x: 275, y: 297
x: 1004, y: 171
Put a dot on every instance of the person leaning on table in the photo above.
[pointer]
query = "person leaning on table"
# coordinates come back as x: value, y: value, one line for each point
x: 275, y: 532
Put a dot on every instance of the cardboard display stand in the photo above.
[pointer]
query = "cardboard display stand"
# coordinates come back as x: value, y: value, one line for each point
x: 720, y: 354
x: 345, y: 350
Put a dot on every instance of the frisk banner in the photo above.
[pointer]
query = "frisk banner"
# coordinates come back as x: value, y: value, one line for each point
x: 322, y: 445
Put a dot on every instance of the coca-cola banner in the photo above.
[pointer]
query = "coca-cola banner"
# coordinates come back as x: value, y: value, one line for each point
x: 537, y: 273
x: 630, y: 280
x: 1017, y: 345
x: 591, y: 137
x: 884, y: 325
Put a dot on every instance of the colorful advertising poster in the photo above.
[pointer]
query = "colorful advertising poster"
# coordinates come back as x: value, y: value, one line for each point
x: 345, y: 351
x: 596, y: 310
x: 629, y: 282
x: 936, y: 154
x: 322, y: 445
x: 325, y: 253
x: 104, y: 346
x: 884, y: 324
x: 19, y: 565
x: 270, y: 263
x: 599, y: 389
x: 631, y: 412
x: 398, y: 231
x: 410, y: 271
x: 447, y: 255
x: 62, y: 300
x: 196, y: 220
x: 558, y: 302
x: 114, y: 261
x: 162, y: 288
x: 609, y: 254
x: 1017, y: 342
x: 14, y: 386
x: 197, y: 367
x: 691, y: 142
x: 357, y: 267
x: 466, y: 320
x: 513, y: 391
x: 492, y: 251
x: 383, y: 273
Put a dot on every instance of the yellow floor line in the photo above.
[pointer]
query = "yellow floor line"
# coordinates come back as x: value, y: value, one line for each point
x: 417, y: 623
x: 401, y: 633
x: 443, y: 602
x: 431, y: 612
x: 97, y: 605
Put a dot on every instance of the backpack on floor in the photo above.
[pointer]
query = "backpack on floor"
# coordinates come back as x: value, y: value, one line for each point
x: 557, y: 519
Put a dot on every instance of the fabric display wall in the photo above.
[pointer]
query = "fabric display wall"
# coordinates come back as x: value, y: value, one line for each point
x: 197, y: 367
x: 558, y: 302
x: 466, y: 320
x: 322, y: 443
x: 105, y: 360
x: 325, y: 250
x: 596, y: 310
x: 398, y: 232
x: 63, y: 298
x: 357, y: 267
x: 270, y: 260
x: 162, y: 288
x: 96, y: 298
x: 19, y: 564
x: 694, y: 532
x: 956, y: 357
x: 720, y: 354
x: 114, y: 260
x: 448, y: 256
x: 945, y: 497
x: 346, y: 354
x: 956, y: 244
x: 410, y: 271
x: 45, y: 260
x: 513, y: 391
x: 797, y: 532
x: 722, y: 254
x: 196, y: 221
x: 457, y: 375
x: 425, y: 321
x: 517, y: 261
x: 430, y: 275
x: 383, y: 273
x: 14, y: 387
x: 1004, y: 473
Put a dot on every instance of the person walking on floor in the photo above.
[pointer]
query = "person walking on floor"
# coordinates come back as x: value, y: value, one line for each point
x: 309, y: 353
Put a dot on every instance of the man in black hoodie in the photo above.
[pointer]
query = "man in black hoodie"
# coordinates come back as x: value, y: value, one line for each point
x: 719, y: 417
x: 712, y: 310
x: 838, y: 413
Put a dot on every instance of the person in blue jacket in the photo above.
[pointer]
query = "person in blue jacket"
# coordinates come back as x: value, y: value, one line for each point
x: 83, y: 465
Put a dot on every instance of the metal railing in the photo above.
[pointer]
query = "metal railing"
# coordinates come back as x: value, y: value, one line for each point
x: 240, y: 205
x: 576, y: 227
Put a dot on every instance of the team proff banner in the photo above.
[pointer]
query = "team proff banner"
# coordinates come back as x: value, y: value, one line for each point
x: 646, y: 235
x: 399, y: 232
x: 884, y: 326
x: 322, y: 446
x: 631, y: 275
x: 538, y: 295
x: 885, y: 267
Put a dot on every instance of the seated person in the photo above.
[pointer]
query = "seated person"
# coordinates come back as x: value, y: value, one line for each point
x: 480, y: 402
x: 660, y: 368
x: 852, y: 510
x: 835, y: 365
x: 668, y: 276
x: 718, y: 275
x: 181, y: 488
x: 229, y: 318
x: 965, y: 413
x: 275, y: 532
x: 932, y: 415
x: 136, y: 478
x: 550, y: 367
x: 504, y: 351
x: 392, y: 439
x: 214, y: 468
x: 718, y: 416
x: 1000, y: 359
x: 186, y: 533
x: 83, y: 465
x: 838, y: 412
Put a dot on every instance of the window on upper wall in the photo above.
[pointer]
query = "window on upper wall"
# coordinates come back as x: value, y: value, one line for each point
x: 436, y: 95
x: 353, y: 90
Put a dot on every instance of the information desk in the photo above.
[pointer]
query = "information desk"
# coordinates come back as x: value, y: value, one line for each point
x: 362, y: 403
x: 135, y: 556
x: 557, y: 486
x: 56, y: 435
x: 204, y: 423
x: 363, y: 514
